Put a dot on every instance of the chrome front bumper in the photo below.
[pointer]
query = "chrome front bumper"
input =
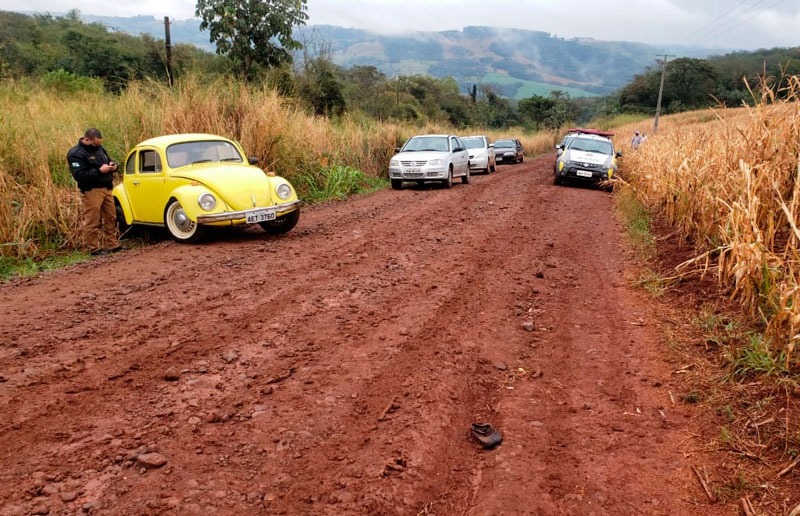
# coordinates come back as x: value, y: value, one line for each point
x: 237, y: 215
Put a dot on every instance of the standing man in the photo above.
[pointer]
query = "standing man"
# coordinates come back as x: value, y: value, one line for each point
x: 637, y: 140
x: 94, y: 172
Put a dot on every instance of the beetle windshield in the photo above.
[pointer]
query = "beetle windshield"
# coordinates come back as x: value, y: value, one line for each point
x: 189, y: 153
x: 427, y: 143
x: 504, y: 144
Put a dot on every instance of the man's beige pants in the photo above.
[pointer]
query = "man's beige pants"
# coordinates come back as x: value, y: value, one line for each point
x: 99, y: 219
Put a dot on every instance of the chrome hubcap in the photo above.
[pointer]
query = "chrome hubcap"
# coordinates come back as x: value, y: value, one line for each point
x: 181, y: 221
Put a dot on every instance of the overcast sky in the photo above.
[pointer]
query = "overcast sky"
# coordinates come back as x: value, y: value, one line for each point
x: 730, y: 24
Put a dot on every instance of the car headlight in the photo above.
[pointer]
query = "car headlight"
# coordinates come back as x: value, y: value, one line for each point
x: 436, y: 163
x: 284, y: 191
x: 207, y: 201
x: 394, y: 163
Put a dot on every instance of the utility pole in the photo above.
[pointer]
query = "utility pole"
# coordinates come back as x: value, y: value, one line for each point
x: 168, y: 47
x: 661, y: 89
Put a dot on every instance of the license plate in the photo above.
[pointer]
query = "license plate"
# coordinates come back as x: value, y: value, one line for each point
x: 414, y: 170
x: 584, y: 173
x: 260, y: 216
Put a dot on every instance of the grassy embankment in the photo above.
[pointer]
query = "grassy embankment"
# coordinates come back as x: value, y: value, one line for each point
x: 727, y: 182
x: 39, y: 205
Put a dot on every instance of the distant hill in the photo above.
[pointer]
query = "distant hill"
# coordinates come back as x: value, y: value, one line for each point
x: 516, y: 63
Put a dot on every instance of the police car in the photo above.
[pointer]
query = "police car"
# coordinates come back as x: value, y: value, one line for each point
x: 589, y: 156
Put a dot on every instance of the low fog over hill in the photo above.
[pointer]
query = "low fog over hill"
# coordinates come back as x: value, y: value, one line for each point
x: 517, y: 63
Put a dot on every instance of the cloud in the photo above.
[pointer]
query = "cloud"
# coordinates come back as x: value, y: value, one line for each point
x: 745, y: 24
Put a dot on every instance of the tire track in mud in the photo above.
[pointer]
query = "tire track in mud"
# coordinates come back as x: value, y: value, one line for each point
x: 336, y: 370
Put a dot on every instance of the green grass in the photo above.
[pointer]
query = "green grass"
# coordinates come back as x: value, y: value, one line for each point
x: 754, y: 358
x: 693, y: 397
x: 527, y: 88
x: 610, y: 122
x: 336, y: 182
x: 11, y: 267
x: 653, y: 283
x: 636, y: 219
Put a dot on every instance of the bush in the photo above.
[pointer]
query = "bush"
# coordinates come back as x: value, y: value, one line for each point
x: 63, y: 82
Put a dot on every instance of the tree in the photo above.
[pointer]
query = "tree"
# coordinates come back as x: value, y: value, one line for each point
x: 641, y: 93
x: 691, y: 84
x: 535, y: 109
x: 253, y: 31
x: 320, y: 87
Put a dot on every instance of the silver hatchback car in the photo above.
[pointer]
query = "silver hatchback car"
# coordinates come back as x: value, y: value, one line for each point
x: 481, y: 153
x: 430, y: 157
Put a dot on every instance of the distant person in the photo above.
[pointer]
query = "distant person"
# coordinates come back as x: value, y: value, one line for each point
x: 637, y: 140
x: 94, y: 171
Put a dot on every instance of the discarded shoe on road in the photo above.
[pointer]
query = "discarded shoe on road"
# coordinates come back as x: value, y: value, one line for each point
x: 486, y: 435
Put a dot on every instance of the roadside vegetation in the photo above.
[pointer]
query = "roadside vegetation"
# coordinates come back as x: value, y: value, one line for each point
x: 325, y: 157
x: 725, y: 183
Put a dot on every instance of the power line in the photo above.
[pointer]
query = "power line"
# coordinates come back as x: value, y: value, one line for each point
x: 715, y: 24
x: 736, y: 23
x: 718, y: 18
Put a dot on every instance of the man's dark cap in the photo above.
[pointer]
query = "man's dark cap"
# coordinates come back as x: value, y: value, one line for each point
x: 92, y: 133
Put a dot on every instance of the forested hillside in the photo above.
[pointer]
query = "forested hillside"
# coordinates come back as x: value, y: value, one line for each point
x: 477, y: 76
x: 46, y: 46
x: 515, y: 63
x: 697, y: 83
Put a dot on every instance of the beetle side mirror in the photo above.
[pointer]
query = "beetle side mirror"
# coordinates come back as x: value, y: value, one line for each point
x: 252, y: 160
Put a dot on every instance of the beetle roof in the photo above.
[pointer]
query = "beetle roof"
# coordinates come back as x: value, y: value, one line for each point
x: 169, y: 139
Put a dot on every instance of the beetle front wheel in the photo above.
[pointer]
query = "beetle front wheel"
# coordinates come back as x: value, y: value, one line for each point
x: 181, y: 228
x: 281, y: 224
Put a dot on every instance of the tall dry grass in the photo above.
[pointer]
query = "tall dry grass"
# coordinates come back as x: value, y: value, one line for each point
x: 728, y: 180
x: 39, y: 204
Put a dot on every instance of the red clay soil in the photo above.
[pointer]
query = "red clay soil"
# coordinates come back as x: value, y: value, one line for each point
x: 336, y: 370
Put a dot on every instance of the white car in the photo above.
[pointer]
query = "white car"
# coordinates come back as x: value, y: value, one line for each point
x: 587, y: 157
x: 430, y: 157
x: 481, y: 153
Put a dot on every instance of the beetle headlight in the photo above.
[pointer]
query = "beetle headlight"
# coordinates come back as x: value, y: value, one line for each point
x: 284, y: 191
x: 207, y: 201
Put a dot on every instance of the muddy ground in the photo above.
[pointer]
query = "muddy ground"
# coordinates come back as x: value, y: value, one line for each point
x: 337, y: 370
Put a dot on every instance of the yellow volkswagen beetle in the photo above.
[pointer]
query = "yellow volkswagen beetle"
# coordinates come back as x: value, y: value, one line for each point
x: 186, y: 182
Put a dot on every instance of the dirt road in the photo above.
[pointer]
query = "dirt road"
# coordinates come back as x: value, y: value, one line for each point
x: 336, y: 370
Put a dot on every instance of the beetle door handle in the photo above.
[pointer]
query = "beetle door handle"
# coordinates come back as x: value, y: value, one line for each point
x: 137, y: 183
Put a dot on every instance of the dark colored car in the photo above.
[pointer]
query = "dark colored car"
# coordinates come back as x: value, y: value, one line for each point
x: 509, y: 150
